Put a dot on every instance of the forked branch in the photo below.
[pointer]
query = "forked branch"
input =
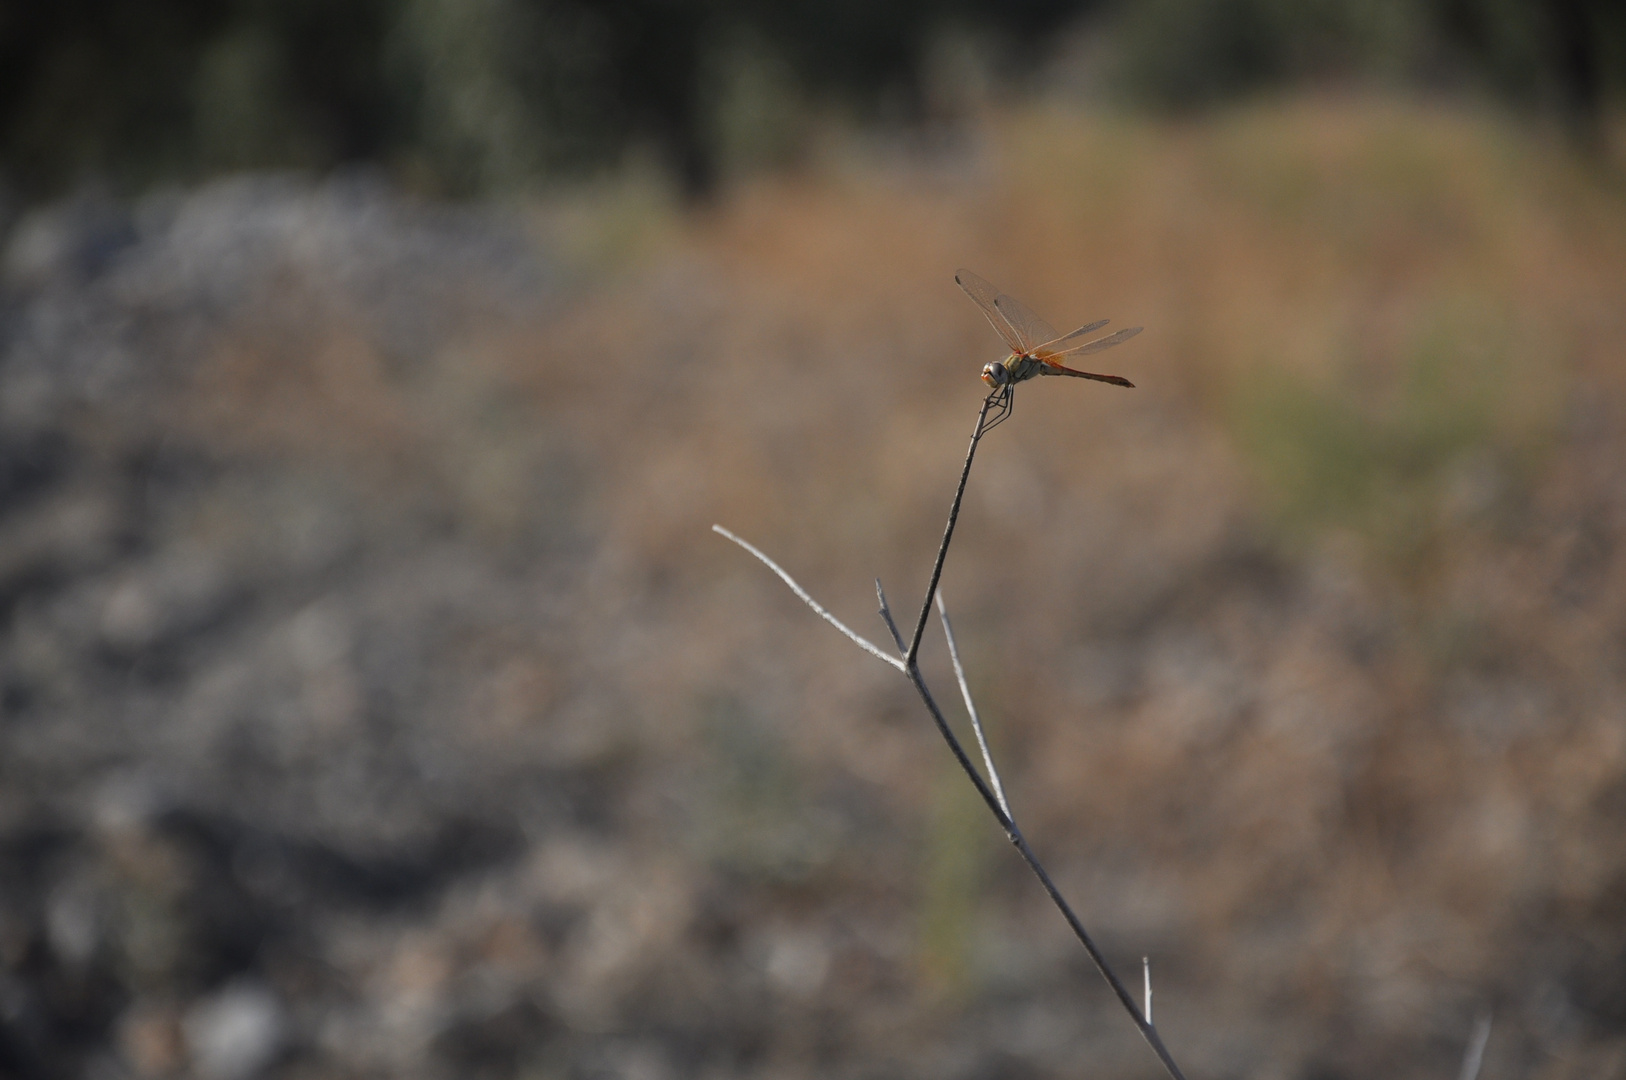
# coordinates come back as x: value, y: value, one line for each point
x: 991, y: 790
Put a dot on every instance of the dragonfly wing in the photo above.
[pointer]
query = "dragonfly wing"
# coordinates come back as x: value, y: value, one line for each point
x: 1050, y: 356
x: 1059, y: 345
x: 1033, y: 330
x: 987, y: 297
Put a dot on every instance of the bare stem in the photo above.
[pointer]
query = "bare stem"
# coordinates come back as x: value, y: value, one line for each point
x: 948, y: 532
x: 886, y: 614
x: 862, y: 643
x: 995, y: 801
x: 1146, y: 975
x: 1475, y: 1053
x: 971, y: 707
x: 1015, y: 836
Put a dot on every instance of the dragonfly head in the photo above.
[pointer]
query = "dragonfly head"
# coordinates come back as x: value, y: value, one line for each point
x: 995, y: 375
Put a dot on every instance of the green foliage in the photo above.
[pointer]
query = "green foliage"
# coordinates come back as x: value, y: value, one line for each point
x: 243, y: 116
x: 500, y: 92
x: 1395, y: 457
x: 1190, y: 52
x: 1187, y: 52
x: 757, y: 820
x: 956, y: 845
x: 754, y: 108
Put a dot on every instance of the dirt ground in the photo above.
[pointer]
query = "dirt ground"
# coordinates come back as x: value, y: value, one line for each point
x: 377, y: 702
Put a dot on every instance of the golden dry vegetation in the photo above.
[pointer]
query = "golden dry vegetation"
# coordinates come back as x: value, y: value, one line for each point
x: 1305, y: 655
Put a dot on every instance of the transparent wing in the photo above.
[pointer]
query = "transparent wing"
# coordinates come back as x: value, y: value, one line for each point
x: 1030, y: 335
x: 1051, y: 355
x: 1033, y: 330
x: 1056, y: 346
x: 987, y: 298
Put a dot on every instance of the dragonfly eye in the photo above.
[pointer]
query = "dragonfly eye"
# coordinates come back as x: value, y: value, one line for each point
x: 994, y: 374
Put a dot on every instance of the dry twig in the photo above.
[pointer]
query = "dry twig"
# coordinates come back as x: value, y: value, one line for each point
x: 993, y: 796
x: 1474, y: 1054
x: 970, y: 706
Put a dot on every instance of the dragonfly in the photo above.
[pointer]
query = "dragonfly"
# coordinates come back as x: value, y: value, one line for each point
x: 1036, y: 348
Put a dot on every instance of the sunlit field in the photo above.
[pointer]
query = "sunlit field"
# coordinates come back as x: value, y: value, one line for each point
x: 1305, y: 655
x: 1305, y: 658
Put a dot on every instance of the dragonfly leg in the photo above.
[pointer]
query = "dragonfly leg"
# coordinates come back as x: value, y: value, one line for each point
x: 1005, y: 405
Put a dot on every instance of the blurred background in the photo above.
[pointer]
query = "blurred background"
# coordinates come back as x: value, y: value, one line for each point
x: 374, y: 700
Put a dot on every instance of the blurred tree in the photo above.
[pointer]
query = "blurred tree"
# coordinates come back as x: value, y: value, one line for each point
x: 136, y: 93
x: 1569, y: 54
x: 1183, y: 53
x: 466, y: 96
x: 88, y: 86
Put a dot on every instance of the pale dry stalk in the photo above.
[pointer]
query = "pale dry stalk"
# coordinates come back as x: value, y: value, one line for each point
x: 991, y: 790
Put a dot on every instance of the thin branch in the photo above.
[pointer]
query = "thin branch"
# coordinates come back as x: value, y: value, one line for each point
x: 809, y: 601
x: 911, y: 670
x: 1148, y: 1032
x: 886, y: 614
x: 971, y: 707
x: 1146, y: 975
x: 1475, y: 1054
x: 948, y: 533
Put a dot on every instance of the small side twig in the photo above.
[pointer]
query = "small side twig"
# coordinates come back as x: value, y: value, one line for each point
x: 801, y: 593
x: 1146, y: 976
x: 886, y: 615
x: 1474, y: 1055
x: 995, y: 801
x: 971, y: 707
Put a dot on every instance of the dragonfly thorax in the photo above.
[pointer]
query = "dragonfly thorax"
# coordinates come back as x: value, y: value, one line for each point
x: 1013, y: 369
